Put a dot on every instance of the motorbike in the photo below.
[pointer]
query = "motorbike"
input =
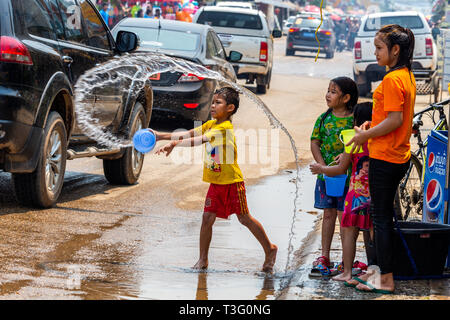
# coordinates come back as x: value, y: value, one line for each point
x: 341, y: 43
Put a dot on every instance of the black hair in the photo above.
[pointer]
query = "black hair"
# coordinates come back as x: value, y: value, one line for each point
x: 404, y: 38
x: 362, y: 112
x: 230, y: 95
x: 359, y: 165
x: 347, y: 86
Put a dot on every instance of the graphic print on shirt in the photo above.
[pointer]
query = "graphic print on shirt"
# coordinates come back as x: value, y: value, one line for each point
x: 212, y: 161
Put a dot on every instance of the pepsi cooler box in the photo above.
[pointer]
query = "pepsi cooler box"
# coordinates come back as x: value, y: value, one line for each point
x: 435, y: 193
x: 434, y: 180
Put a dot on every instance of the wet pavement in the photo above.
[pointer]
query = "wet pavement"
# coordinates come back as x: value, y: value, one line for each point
x: 304, y: 287
x: 85, y: 249
x: 139, y: 242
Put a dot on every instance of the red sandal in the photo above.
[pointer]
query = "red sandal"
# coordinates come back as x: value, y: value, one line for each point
x: 323, y: 261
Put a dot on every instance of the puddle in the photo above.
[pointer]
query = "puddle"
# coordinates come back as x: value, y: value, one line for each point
x: 235, y: 256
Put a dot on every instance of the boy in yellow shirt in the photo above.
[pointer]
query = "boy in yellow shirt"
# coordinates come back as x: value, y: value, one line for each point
x: 226, y: 194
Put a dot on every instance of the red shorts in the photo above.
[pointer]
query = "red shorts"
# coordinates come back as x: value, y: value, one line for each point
x: 226, y: 199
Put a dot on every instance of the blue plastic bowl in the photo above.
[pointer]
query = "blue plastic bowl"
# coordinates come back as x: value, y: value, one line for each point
x: 335, y: 186
x: 144, y: 140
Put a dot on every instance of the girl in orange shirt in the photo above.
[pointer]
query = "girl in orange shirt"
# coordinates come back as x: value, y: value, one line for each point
x: 389, y: 148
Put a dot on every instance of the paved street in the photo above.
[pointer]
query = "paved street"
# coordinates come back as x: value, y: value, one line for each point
x: 139, y: 242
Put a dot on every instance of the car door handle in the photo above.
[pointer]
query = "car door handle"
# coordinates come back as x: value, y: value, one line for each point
x: 67, y: 59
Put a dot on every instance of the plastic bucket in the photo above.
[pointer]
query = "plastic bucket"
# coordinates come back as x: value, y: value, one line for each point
x: 335, y: 186
x: 428, y: 244
x: 144, y: 140
x: 346, y: 136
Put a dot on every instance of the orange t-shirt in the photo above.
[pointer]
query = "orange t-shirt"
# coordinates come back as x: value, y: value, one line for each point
x: 397, y: 92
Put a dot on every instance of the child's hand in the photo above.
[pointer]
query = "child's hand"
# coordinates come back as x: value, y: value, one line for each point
x: 167, y: 148
x: 337, y: 159
x: 156, y: 133
x: 315, y: 168
x: 358, y: 139
x: 365, y: 125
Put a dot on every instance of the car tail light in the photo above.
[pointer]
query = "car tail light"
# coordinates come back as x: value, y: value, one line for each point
x: 12, y: 50
x: 191, y: 105
x: 263, y: 51
x: 429, y: 47
x: 155, y: 77
x: 190, y: 77
x: 291, y: 30
x: 358, y: 50
x: 325, y: 32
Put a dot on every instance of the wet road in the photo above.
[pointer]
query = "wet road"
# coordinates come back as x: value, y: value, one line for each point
x: 139, y: 242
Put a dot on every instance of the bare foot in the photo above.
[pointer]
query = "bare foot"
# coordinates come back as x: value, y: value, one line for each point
x: 363, y: 277
x: 201, y: 265
x: 379, y: 282
x: 343, y: 277
x: 270, y: 259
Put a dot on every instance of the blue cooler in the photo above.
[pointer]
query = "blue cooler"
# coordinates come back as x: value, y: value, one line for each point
x: 434, y: 193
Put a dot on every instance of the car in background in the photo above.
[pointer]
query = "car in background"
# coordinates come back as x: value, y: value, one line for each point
x: 245, y: 31
x: 287, y: 24
x: 365, y: 67
x: 41, y: 60
x: 302, y: 35
x: 178, y: 95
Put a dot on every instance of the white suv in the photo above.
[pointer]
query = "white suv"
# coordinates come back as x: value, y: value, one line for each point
x: 245, y: 31
x: 365, y: 67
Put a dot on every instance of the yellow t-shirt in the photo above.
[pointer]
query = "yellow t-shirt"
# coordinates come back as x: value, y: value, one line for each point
x: 220, y: 157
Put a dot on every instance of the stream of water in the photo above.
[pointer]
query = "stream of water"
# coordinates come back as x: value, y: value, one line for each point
x: 137, y: 68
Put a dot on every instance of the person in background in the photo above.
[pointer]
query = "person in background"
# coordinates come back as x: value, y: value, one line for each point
x: 135, y: 9
x: 435, y: 31
x: 149, y: 12
x: 158, y: 14
x: 140, y: 13
x: 104, y: 13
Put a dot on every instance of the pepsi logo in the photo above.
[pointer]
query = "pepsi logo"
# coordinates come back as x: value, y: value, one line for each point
x: 431, y: 162
x: 433, y: 195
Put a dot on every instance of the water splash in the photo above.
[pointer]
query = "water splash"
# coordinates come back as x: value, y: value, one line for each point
x: 137, y: 68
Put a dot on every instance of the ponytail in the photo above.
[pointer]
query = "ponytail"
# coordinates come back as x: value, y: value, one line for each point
x: 411, y: 48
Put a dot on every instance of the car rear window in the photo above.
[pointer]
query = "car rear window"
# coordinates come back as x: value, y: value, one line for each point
x: 230, y: 20
x: 411, y: 22
x: 167, y: 39
x: 37, y: 19
x: 306, y: 23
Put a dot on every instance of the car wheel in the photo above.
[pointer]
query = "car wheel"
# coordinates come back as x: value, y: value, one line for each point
x: 42, y: 187
x: 330, y: 54
x: 127, y: 169
x: 290, y: 52
x: 261, y: 88
x: 269, y: 78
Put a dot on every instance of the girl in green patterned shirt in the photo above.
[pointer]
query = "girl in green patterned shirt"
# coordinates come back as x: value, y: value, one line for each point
x: 341, y: 97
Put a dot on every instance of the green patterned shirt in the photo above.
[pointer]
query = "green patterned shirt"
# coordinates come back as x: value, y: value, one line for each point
x: 328, y: 135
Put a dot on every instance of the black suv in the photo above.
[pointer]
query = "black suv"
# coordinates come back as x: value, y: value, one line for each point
x: 45, y: 46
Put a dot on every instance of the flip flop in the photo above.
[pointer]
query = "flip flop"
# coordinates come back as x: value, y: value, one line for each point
x: 322, y: 271
x: 373, y: 289
x: 352, y: 285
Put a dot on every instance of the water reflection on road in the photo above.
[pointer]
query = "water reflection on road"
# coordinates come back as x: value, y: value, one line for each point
x: 235, y: 256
